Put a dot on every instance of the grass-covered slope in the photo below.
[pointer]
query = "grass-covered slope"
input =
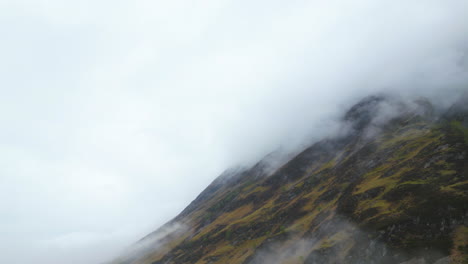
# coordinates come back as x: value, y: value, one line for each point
x: 389, y: 191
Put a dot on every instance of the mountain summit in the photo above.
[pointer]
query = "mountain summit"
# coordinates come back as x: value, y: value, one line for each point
x: 392, y: 188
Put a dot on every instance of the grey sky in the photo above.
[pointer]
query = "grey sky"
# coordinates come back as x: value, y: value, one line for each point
x: 114, y: 115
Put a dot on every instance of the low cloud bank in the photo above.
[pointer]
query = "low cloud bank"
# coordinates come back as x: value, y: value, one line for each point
x: 114, y: 116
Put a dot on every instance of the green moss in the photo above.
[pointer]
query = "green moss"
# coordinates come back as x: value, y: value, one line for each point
x: 222, y: 250
x: 460, y: 246
x: 410, y: 150
x: 453, y: 188
x: 228, y: 234
x: 373, y: 179
x: 252, y: 189
x: 383, y: 207
x: 226, y: 200
x: 419, y: 181
x: 334, y: 239
x: 327, y: 166
x: 282, y: 229
x: 407, y: 136
x: 459, y: 129
x: 207, y: 216
x: 410, y: 143
x: 444, y: 164
x: 447, y: 172
x: 299, y: 185
x: 441, y: 163
x: 326, y: 244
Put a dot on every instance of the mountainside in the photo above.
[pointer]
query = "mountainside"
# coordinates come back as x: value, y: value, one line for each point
x: 391, y: 188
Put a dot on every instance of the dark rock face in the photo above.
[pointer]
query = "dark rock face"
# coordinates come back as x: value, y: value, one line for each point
x: 398, y: 196
x: 361, y: 114
x: 459, y: 111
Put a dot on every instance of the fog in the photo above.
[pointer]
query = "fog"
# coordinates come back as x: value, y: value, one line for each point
x: 114, y: 115
x: 311, y: 249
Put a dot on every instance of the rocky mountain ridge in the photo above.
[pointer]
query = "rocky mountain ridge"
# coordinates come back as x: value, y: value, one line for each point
x: 392, y: 188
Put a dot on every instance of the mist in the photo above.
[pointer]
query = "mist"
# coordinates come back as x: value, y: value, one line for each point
x: 115, y: 115
x: 312, y: 249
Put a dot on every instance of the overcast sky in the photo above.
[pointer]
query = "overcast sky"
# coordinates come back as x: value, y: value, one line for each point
x: 114, y: 115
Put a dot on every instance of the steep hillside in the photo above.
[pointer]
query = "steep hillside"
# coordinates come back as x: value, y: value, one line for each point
x: 392, y: 188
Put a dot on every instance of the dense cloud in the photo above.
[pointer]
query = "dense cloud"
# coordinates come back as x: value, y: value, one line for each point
x: 115, y: 114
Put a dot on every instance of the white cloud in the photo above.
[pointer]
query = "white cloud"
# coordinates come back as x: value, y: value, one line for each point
x: 115, y: 114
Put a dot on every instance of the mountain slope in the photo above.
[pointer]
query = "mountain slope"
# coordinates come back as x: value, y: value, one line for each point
x: 392, y: 188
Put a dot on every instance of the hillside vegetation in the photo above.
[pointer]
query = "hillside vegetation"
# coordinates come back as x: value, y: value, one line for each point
x: 392, y: 189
